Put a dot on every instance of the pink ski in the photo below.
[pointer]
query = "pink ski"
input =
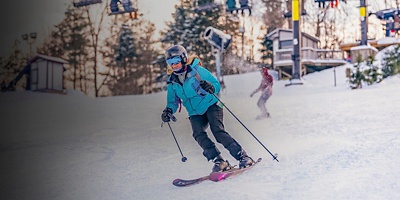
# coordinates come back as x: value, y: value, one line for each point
x: 218, y: 176
x: 214, y: 176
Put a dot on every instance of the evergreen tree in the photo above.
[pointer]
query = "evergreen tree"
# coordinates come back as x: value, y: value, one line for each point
x: 365, y: 72
x: 126, y: 48
x: 134, y: 73
x: 371, y: 72
x: 357, y: 76
x: 69, y: 41
x: 267, y: 51
x: 11, y: 67
x: 391, y: 62
x: 187, y: 28
x: 273, y: 19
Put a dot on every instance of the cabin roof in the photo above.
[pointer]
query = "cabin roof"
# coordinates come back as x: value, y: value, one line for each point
x: 275, y: 33
x: 50, y: 58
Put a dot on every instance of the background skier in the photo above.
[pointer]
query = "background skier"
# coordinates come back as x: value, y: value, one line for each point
x: 195, y: 87
x: 266, y: 91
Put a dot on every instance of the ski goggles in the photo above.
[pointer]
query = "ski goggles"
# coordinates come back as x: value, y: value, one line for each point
x: 174, y: 60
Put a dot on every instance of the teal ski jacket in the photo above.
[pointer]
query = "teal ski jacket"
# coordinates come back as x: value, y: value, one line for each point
x: 189, y: 93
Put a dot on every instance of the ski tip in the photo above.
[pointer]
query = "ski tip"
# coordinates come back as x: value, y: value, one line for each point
x: 179, y: 183
x: 176, y: 181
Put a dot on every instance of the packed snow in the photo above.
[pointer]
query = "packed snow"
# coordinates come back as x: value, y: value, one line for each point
x: 332, y: 143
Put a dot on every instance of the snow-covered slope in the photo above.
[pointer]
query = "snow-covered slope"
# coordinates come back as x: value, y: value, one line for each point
x: 333, y: 143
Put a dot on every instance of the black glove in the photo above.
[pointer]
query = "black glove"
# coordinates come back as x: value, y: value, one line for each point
x: 207, y: 86
x: 166, y: 115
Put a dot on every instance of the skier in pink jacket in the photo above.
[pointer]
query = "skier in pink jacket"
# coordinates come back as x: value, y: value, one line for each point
x: 266, y: 91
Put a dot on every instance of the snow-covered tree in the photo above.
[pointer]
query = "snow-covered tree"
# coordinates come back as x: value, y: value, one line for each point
x: 188, y: 26
x: 365, y: 72
x: 391, y: 62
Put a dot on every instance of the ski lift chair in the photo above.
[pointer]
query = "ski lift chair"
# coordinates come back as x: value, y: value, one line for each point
x: 391, y: 18
x: 244, y: 5
x: 204, y: 7
x: 385, y: 14
x: 81, y: 3
x: 118, y: 7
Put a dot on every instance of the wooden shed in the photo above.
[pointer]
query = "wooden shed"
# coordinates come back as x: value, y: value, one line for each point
x: 47, y: 73
x: 43, y: 74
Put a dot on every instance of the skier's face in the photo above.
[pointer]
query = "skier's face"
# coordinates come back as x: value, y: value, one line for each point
x: 176, y: 66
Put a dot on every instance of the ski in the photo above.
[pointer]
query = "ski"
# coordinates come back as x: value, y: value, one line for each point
x: 219, y: 176
x: 214, y: 176
x: 184, y: 183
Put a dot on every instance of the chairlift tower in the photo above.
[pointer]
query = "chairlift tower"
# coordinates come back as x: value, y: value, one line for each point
x: 296, y: 56
x: 364, y: 22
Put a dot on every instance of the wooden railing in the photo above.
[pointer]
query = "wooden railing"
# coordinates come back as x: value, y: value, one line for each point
x: 310, y: 57
x: 309, y: 53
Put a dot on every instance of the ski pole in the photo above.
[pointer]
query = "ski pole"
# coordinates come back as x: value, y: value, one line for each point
x: 275, y: 157
x: 184, y: 159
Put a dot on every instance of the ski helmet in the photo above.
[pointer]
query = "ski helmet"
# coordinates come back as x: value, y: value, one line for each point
x: 177, y: 50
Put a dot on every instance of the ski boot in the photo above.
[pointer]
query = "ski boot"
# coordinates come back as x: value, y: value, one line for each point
x: 220, y: 164
x: 245, y: 160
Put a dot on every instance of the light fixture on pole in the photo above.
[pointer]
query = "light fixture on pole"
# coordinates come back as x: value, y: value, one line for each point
x: 30, y: 39
x: 219, y: 41
x: 241, y: 30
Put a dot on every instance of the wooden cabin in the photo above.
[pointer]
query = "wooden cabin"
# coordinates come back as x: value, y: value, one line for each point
x: 312, y: 57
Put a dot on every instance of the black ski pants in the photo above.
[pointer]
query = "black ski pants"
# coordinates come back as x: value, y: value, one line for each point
x: 213, y: 117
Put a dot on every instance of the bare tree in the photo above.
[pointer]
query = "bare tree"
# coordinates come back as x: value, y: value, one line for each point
x: 11, y: 66
x: 95, y: 30
x: 69, y: 41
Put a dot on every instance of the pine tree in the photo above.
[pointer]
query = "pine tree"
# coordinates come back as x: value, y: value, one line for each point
x: 267, y: 51
x: 371, y: 72
x: 11, y: 67
x: 188, y: 26
x: 133, y: 74
x: 69, y: 41
x: 273, y: 19
x: 126, y: 47
x: 357, y: 76
x: 391, y: 62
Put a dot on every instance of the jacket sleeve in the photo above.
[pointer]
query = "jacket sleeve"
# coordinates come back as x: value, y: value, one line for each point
x: 258, y: 89
x: 264, y: 84
x: 172, y: 99
x: 208, y: 76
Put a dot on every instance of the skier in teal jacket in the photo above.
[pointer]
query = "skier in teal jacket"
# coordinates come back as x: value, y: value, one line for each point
x: 195, y: 99
x: 195, y: 87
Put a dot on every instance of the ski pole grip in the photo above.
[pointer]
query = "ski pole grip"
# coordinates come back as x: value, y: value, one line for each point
x: 173, y: 118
